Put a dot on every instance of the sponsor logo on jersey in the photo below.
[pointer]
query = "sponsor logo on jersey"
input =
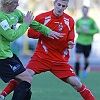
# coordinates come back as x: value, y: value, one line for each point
x: 4, y: 24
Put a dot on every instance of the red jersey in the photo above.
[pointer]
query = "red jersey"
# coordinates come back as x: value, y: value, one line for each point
x: 54, y: 49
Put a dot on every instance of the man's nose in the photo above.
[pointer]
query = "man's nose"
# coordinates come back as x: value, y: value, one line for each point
x: 60, y: 7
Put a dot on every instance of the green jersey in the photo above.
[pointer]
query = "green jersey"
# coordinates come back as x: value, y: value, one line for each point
x: 89, y: 25
x: 8, y: 34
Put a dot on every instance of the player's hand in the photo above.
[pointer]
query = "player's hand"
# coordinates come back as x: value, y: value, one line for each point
x: 28, y: 18
x: 70, y: 45
x: 85, y: 31
x: 56, y: 35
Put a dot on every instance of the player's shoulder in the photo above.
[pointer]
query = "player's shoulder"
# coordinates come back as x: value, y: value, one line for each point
x: 91, y: 19
x: 44, y: 14
x: 68, y: 17
x: 17, y: 11
x: 79, y: 19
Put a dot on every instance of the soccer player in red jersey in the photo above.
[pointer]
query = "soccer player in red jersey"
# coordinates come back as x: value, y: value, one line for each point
x: 53, y: 54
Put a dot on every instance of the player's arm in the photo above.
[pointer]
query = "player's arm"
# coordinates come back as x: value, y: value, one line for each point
x: 35, y: 25
x: 78, y: 29
x: 38, y: 26
x: 11, y: 34
x: 32, y: 33
x: 45, y: 30
x: 42, y: 28
x: 71, y: 36
x: 94, y: 28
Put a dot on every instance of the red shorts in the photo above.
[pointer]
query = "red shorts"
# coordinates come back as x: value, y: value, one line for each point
x: 60, y: 69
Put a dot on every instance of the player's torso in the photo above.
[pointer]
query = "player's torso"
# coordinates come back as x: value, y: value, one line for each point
x: 54, y: 48
x: 85, y: 38
x: 85, y: 23
x: 12, y: 20
x: 58, y: 24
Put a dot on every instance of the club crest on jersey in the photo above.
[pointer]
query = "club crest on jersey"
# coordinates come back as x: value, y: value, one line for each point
x: 60, y: 27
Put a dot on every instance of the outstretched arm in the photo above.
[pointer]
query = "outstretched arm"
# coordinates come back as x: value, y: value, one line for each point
x: 45, y: 30
x: 11, y: 34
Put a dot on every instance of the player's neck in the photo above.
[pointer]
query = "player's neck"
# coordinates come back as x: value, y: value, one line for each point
x: 85, y: 17
x: 57, y: 15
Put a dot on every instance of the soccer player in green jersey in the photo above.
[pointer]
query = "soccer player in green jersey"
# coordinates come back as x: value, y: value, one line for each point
x: 85, y: 28
x: 10, y: 66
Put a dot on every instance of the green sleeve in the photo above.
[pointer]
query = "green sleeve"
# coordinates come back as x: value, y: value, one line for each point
x: 78, y: 29
x: 94, y: 29
x: 35, y: 25
x: 20, y: 15
x: 40, y: 28
x: 11, y: 34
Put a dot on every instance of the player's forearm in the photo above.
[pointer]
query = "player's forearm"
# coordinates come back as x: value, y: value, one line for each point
x: 11, y: 34
x: 71, y: 36
x: 78, y: 30
x: 40, y: 28
x: 93, y: 31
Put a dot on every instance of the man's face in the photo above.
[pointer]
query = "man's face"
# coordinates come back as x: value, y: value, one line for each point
x: 13, y: 5
x: 59, y: 7
x: 85, y: 11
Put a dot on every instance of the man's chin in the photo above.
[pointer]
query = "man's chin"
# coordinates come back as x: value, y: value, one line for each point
x: 58, y: 14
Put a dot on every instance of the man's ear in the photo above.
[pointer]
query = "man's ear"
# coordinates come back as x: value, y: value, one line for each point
x: 54, y: 2
x: 66, y: 6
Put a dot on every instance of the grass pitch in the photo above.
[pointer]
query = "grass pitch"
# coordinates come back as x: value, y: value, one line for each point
x: 47, y: 87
